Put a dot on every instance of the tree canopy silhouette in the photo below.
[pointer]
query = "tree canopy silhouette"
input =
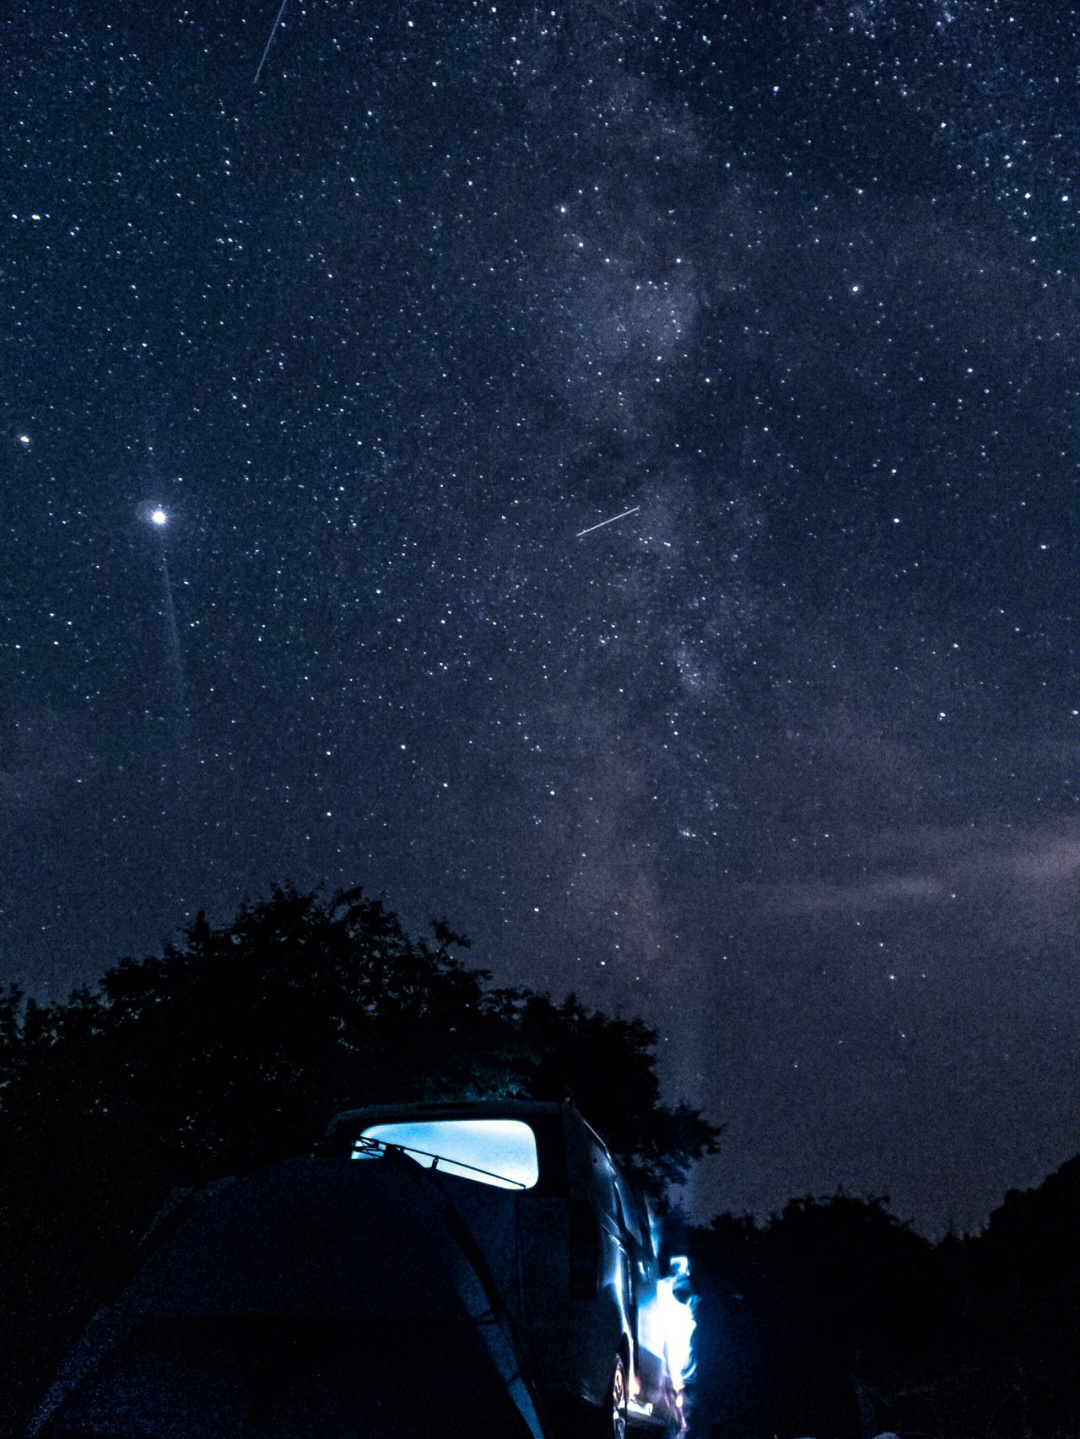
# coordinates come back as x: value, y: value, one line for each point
x: 234, y: 1048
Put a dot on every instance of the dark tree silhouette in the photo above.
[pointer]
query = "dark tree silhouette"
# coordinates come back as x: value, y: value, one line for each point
x: 1027, y: 1289
x: 817, y: 1321
x: 834, y: 1317
x: 561, y: 1051
x: 232, y: 1050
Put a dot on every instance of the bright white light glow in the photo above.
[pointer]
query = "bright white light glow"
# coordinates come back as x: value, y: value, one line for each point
x: 158, y: 517
x: 666, y: 1325
x: 504, y: 1149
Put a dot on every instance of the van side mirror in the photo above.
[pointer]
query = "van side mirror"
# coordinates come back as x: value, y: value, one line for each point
x: 679, y: 1274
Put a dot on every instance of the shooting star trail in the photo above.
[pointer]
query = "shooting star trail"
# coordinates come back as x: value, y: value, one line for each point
x: 273, y: 32
x: 602, y: 523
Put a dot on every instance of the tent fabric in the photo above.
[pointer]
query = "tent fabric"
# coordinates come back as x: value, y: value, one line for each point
x: 293, y: 1260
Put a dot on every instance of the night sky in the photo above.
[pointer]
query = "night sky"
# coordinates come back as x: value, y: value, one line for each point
x: 786, y: 760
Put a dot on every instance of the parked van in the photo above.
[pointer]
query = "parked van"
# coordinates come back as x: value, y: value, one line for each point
x: 566, y: 1237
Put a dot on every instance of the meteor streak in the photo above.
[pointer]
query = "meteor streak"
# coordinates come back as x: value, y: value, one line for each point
x: 602, y: 523
x: 273, y: 32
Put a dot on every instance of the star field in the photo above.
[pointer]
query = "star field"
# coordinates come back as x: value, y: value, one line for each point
x: 783, y: 759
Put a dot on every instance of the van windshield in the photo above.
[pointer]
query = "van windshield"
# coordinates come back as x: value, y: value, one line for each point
x: 500, y: 1152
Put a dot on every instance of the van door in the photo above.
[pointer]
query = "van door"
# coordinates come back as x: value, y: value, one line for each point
x: 600, y: 1319
x: 649, y: 1367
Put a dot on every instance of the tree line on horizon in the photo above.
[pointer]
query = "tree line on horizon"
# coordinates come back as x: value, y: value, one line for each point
x: 233, y: 1048
x: 835, y: 1318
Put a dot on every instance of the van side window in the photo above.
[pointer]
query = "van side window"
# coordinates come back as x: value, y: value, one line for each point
x: 631, y: 1209
x: 499, y: 1152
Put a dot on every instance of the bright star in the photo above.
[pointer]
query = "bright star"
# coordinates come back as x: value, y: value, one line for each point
x: 158, y: 517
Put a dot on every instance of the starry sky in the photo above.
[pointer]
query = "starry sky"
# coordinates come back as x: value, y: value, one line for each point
x: 785, y: 760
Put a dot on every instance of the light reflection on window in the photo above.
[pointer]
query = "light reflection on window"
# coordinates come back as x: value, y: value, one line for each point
x: 500, y: 1152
